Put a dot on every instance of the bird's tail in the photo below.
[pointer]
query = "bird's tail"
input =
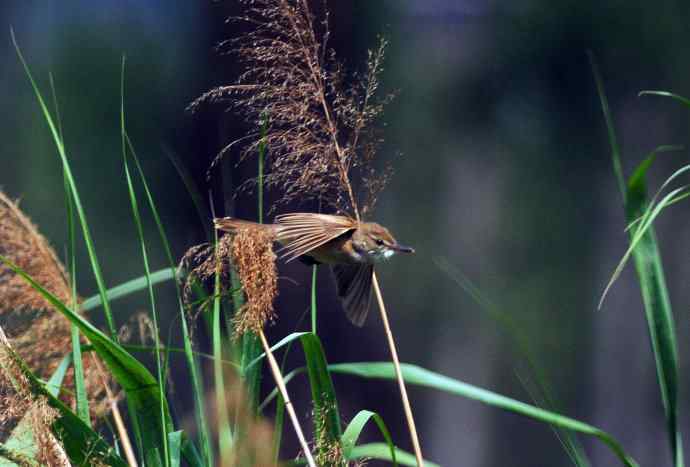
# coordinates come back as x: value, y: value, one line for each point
x: 231, y: 224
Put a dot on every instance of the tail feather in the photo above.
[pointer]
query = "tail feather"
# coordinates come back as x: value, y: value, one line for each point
x: 231, y: 224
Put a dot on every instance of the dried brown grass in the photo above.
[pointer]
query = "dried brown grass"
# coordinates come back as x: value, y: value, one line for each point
x: 17, y: 400
x: 40, y: 336
x: 253, y: 256
x: 321, y: 133
x: 250, y: 252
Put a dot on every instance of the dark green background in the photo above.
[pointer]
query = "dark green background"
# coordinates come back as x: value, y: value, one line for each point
x: 505, y: 173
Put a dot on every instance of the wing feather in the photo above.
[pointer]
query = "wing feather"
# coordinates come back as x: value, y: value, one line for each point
x: 302, y: 232
x: 354, y: 289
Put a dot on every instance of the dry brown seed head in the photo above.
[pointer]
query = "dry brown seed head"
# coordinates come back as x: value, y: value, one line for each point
x: 255, y: 262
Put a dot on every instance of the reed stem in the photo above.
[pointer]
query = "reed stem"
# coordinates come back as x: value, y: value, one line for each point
x: 275, y: 369
x: 398, y: 373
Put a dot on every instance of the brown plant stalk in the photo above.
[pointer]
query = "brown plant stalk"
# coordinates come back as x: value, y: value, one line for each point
x: 280, y: 382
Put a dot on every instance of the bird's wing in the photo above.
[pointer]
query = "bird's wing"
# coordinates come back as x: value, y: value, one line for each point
x: 354, y: 289
x: 302, y: 232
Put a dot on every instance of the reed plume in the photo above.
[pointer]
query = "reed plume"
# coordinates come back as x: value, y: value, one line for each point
x: 40, y: 337
x: 320, y: 133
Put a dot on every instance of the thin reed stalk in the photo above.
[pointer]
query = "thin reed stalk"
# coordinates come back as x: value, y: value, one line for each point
x: 280, y: 382
x: 398, y: 373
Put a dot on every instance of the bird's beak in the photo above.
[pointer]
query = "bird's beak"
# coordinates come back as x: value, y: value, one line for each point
x: 402, y: 248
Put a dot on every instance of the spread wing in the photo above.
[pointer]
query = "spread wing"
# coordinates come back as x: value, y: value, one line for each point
x: 302, y: 232
x: 354, y: 289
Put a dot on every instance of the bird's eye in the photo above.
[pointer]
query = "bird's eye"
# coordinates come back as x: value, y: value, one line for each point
x: 378, y: 241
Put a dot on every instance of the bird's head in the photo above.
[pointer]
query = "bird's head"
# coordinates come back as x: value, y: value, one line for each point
x: 375, y: 243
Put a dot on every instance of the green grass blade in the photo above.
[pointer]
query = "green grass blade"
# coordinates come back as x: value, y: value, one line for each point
x: 225, y: 435
x: 95, y: 265
x: 281, y: 343
x: 192, y: 363
x: 128, y: 288
x: 82, y: 400
x: 192, y: 189
x: 327, y: 422
x: 646, y: 256
x: 422, y: 377
x: 191, y: 455
x: 355, y: 427
x: 274, y: 393
x: 382, y: 452
x: 658, y: 311
x: 175, y: 445
x: 278, y: 428
x: 139, y: 385
x: 54, y: 384
x: 144, y: 253
x: 313, y: 299
x: 683, y: 100
x: 613, y: 141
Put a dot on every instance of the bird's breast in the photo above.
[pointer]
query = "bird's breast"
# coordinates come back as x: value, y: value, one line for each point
x: 337, y: 251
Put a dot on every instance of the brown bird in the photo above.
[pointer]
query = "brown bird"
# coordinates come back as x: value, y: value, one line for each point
x: 351, y: 248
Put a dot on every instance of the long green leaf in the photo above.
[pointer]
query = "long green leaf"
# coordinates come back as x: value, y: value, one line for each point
x: 54, y: 384
x: 192, y: 362
x: 282, y: 342
x: 659, y: 315
x: 145, y: 257
x: 326, y: 415
x: 95, y: 265
x: 683, y: 100
x: 139, y: 385
x: 650, y: 274
x: 81, y: 398
x: 422, y: 377
x: 127, y: 288
x: 382, y: 452
x: 225, y: 435
x: 355, y: 427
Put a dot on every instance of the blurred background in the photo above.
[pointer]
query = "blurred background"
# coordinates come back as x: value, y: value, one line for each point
x: 505, y: 174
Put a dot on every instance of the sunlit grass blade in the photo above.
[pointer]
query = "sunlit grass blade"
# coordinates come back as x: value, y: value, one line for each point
x: 54, y: 384
x: 175, y: 446
x: 683, y: 100
x: 646, y: 256
x: 139, y: 385
x: 381, y: 451
x: 192, y: 363
x: 144, y: 254
x: 128, y: 288
x: 422, y: 377
x: 283, y: 342
x: 74, y: 193
x: 355, y: 427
